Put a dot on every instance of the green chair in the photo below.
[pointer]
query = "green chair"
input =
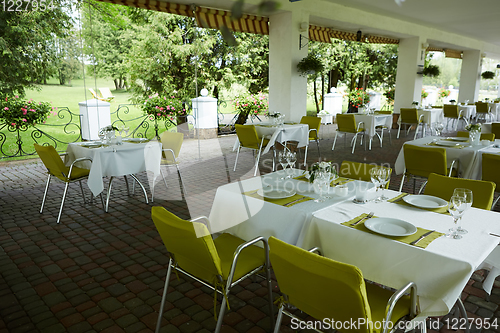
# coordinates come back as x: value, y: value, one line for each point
x: 443, y: 186
x: 219, y: 263
x: 346, y: 123
x: 452, y: 112
x: 327, y: 289
x: 248, y: 138
x: 171, y: 143
x: 314, y: 124
x: 495, y: 129
x: 490, y: 167
x: 484, y: 136
x: 483, y: 111
x: 361, y: 171
x: 420, y: 162
x: 409, y: 116
x: 56, y: 168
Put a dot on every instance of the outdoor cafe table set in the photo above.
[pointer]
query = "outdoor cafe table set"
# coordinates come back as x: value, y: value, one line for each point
x: 440, y: 266
x: 371, y: 121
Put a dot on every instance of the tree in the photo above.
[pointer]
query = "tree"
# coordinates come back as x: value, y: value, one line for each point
x: 26, y: 54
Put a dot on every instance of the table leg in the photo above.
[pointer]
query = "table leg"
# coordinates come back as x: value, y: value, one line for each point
x: 143, y: 189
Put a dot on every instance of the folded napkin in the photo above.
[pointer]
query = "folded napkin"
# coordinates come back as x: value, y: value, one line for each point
x: 399, y: 200
x: 94, y: 146
x: 338, y: 181
x: 286, y: 202
x: 458, y: 146
x: 423, y: 243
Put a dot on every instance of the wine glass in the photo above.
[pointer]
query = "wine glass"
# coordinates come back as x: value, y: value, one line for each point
x: 438, y: 128
x: 456, y: 208
x: 126, y: 129
x: 321, y: 183
x: 282, y: 158
x: 101, y: 135
x: 466, y: 194
x: 383, y: 178
x: 291, y: 158
x: 375, y: 180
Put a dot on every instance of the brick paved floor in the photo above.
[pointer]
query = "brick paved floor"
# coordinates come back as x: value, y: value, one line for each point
x: 104, y: 272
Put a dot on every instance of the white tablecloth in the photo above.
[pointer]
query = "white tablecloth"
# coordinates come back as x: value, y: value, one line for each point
x: 476, y: 171
x: 432, y: 116
x: 372, y: 121
x: 441, y: 271
x: 468, y: 111
x: 466, y: 156
x: 117, y: 160
x: 287, y: 132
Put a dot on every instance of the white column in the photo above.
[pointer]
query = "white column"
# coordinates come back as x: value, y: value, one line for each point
x: 287, y: 89
x: 470, y: 75
x: 408, y: 82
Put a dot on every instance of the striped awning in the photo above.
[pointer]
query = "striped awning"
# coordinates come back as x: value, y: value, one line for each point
x: 342, y: 35
x: 160, y: 6
x: 215, y: 19
x: 448, y: 53
x: 319, y: 34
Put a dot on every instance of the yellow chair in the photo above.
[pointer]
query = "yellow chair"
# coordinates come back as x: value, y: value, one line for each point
x: 346, y: 123
x: 437, y: 106
x: 314, y: 123
x: 327, y: 289
x: 171, y: 143
x: 484, y: 136
x: 106, y: 94
x: 409, y: 116
x: 452, y: 112
x: 490, y: 166
x: 55, y: 167
x: 361, y: 171
x: 443, y: 186
x: 495, y: 129
x: 219, y: 263
x: 248, y: 138
x: 420, y: 162
x: 381, y: 128
x: 96, y: 96
x: 483, y: 110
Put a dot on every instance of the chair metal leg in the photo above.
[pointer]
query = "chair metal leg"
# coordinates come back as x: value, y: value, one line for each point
x: 305, y: 155
x: 180, y: 178
x: 220, y: 319
x: 45, y: 193
x: 354, y: 143
x: 164, y: 297
x: 416, y: 132
x: 108, y: 194
x: 62, y: 202
x: 463, y: 312
x: 128, y: 189
x: 319, y: 153
x: 402, y: 181
x: 237, y: 154
x: 335, y: 140
x: 143, y: 189
x: 257, y: 162
x: 278, y: 320
x: 495, y: 202
x: 399, y: 130
x: 83, y: 194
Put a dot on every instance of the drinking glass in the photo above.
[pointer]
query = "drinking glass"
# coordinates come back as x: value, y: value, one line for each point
x: 374, y: 176
x: 101, y: 135
x: 282, y: 158
x: 126, y: 129
x: 456, y: 208
x: 383, y: 178
x: 438, y: 128
x: 321, y: 184
x: 466, y: 194
x: 291, y: 158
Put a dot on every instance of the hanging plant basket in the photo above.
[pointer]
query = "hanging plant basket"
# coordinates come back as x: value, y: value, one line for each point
x: 431, y: 70
x: 310, y: 65
x: 487, y: 75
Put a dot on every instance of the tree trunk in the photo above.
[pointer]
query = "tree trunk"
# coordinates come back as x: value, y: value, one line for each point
x: 117, y: 84
x: 316, y: 96
x: 242, y: 118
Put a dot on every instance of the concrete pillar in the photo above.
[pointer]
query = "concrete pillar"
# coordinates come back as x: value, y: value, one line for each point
x: 287, y: 89
x: 408, y: 82
x: 470, y: 75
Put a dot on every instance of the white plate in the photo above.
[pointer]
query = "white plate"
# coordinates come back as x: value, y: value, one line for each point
x: 277, y: 193
x: 458, y: 138
x: 425, y: 201
x: 447, y: 143
x: 390, y: 227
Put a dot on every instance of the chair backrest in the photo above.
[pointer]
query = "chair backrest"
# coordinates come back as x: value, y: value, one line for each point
x: 482, y: 107
x: 247, y: 135
x: 313, y: 123
x: 495, y: 128
x: 346, y: 123
x: 334, y: 289
x: 171, y: 140
x: 490, y: 166
x: 443, y: 187
x: 189, y: 242
x: 94, y: 94
x: 106, y: 93
x: 361, y: 171
x: 450, y: 110
x: 383, y: 112
x: 484, y: 136
x: 52, y: 161
x: 408, y: 115
x: 437, y: 106
x: 421, y: 161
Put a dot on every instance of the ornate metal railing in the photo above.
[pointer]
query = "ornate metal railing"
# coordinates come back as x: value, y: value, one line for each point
x: 18, y: 142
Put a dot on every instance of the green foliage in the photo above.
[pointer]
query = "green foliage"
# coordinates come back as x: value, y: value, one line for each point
x: 310, y: 65
x: 424, y: 93
x: 389, y: 95
x: 161, y: 107
x: 487, y: 75
x: 473, y: 127
x: 358, y: 97
x: 443, y: 92
x: 431, y: 70
x: 20, y: 113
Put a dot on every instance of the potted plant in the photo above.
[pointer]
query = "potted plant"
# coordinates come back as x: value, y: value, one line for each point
x: 487, y: 75
x: 164, y: 107
x: 358, y: 98
x: 19, y: 113
x: 431, y: 70
x: 250, y: 104
x: 310, y: 65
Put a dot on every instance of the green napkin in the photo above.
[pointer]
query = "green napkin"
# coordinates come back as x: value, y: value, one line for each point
x: 396, y: 200
x: 423, y: 243
x: 286, y: 202
x: 435, y: 144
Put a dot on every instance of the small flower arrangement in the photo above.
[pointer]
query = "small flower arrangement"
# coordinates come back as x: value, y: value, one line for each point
x: 424, y: 94
x: 444, y: 92
x: 252, y: 104
x: 273, y: 115
x: 19, y: 113
x: 358, y: 97
x: 160, y: 107
x: 473, y: 127
x: 389, y: 95
x: 319, y: 166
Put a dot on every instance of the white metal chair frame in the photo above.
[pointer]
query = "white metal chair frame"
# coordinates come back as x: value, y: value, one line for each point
x: 456, y: 120
x: 452, y: 166
x: 307, y: 146
x: 168, y: 150
x: 256, y: 160
x: 353, y: 140
x: 420, y: 123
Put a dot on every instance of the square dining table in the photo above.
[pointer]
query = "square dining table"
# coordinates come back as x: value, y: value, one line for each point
x: 371, y: 121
